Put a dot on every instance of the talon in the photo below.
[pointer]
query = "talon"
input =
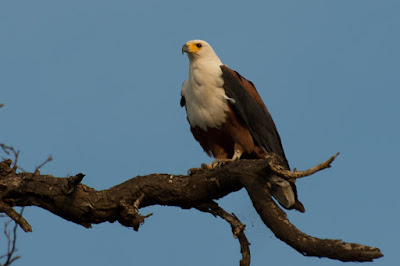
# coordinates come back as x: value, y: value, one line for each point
x: 213, y: 165
x: 194, y: 170
x: 218, y: 163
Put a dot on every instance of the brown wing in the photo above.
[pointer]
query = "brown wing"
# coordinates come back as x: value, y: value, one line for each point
x: 250, y: 108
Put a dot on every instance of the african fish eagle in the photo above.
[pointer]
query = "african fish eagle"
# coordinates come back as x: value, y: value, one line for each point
x: 229, y: 119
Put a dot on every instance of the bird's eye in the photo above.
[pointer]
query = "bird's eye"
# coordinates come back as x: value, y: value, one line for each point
x: 199, y: 45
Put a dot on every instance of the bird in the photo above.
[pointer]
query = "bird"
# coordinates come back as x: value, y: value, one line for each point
x: 229, y: 119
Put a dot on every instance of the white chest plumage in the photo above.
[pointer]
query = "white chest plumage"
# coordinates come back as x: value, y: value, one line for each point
x: 206, y: 101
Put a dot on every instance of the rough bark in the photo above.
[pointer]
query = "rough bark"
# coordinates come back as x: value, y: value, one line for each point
x: 78, y: 203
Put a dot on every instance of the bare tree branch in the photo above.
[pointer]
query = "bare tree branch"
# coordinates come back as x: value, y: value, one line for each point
x: 18, y: 219
x: 8, y: 210
x: 5, y: 208
x: 85, y: 205
x: 73, y: 182
x: 279, y: 170
x: 237, y: 228
x: 10, y: 149
x: 11, y: 243
x: 49, y: 159
x: 275, y: 218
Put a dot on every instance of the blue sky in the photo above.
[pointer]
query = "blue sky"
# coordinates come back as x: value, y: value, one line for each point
x: 96, y: 84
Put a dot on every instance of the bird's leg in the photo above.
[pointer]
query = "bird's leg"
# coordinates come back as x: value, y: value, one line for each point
x: 238, y: 153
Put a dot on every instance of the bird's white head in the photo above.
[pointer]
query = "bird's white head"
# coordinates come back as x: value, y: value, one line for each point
x: 198, y: 49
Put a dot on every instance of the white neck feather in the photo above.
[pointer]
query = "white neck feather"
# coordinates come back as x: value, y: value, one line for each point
x: 206, y: 101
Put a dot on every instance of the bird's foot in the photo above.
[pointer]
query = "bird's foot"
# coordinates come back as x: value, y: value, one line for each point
x: 194, y: 170
x: 218, y: 163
